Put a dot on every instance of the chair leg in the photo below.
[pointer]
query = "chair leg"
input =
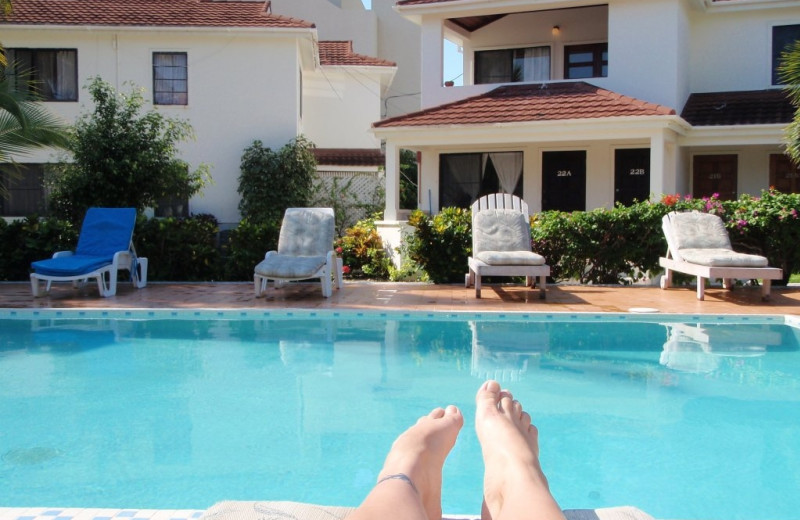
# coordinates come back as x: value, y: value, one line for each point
x: 766, y: 285
x: 477, y: 285
x: 542, y: 291
x: 701, y: 286
x: 326, y: 281
x: 36, y: 287
x: 666, y: 280
x: 338, y: 273
x: 260, y: 285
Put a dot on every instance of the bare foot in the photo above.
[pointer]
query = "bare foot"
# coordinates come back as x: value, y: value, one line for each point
x: 514, y: 485
x: 419, y: 453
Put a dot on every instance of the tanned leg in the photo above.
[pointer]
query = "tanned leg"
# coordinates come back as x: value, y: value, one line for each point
x: 514, y: 485
x: 410, y: 484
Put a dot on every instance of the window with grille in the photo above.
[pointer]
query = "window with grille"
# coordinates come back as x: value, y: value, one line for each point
x: 586, y: 61
x: 170, y: 78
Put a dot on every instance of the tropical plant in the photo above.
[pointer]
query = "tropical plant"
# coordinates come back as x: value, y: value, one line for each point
x: 122, y: 157
x: 25, y: 125
x: 440, y: 245
x: 272, y: 181
x: 789, y: 72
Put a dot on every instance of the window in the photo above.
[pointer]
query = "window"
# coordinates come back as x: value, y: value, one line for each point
x: 586, y: 61
x: 24, y: 186
x: 170, y: 78
x: 52, y: 74
x: 464, y: 177
x: 512, y: 65
x: 782, y: 37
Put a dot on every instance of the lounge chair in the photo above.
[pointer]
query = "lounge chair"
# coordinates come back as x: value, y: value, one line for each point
x: 501, y: 243
x: 305, y: 250
x: 105, y: 246
x: 698, y: 244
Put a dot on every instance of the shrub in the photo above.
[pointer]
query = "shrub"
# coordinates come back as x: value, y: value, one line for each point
x: 179, y: 249
x: 272, y: 181
x: 122, y: 157
x: 362, y: 251
x: 441, y: 244
x: 601, y: 246
x: 31, y: 239
x: 246, y: 246
x: 339, y: 195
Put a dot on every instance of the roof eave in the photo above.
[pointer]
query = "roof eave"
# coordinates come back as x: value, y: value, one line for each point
x: 734, y: 135
x: 625, y: 127
x: 152, y: 28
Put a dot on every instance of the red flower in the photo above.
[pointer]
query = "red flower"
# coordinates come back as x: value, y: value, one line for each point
x: 339, y: 250
x: 346, y: 269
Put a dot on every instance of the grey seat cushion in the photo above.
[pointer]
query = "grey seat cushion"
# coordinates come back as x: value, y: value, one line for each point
x: 510, y: 258
x: 695, y: 230
x: 500, y: 230
x: 288, y: 266
x: 722, y: 258
x: 306, y: 232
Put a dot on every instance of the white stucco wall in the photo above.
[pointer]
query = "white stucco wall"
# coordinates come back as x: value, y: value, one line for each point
x: 743, y: 60
x: 242, y: 86
x: 339, y: 106
x: 378, y: 32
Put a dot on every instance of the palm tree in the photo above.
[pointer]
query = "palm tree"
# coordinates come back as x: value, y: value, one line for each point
x: 790, y: 76
x: 5, y: 11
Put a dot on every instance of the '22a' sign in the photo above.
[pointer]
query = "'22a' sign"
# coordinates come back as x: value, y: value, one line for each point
x: 563, y: 173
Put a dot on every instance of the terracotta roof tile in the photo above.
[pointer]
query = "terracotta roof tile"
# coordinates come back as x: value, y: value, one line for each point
x: 349, y: 156
x: 754, y: 107
x: 341, y: 53
x: 176, y: 13
x: 531, y: 102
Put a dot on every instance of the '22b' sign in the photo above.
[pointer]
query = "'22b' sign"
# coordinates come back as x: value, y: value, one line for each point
x: 637, y: 172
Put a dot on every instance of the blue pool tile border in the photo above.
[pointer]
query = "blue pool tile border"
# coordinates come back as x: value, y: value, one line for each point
x: 51, y: 513
x: 295, y: 314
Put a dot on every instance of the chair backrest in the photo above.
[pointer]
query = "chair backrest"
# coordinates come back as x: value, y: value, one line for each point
x: 106, y: 231
x: 694, y: 230
x: 307, y: 232
x: 500, y: 222
x: 500, y: 201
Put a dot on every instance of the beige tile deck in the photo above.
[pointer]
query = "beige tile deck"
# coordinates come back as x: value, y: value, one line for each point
x: 413, y: 296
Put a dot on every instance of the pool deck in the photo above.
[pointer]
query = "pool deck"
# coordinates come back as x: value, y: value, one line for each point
x: 413, y: 296
x: 379, y: 296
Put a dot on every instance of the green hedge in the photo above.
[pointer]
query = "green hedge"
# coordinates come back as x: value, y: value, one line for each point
x: 618, y: 245
x: 607, y: 246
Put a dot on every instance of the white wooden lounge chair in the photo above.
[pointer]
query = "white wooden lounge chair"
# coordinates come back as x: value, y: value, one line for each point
x: 305, y: 250
x: 501, y: 243
x: 105, y: 246
x: 698, y: 244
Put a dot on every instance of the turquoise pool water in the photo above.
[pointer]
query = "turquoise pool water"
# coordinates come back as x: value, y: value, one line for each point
x: 684, y: 417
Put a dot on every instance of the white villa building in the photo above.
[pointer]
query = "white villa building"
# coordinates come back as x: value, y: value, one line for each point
x: 578, y: 104
x: 238, y: 71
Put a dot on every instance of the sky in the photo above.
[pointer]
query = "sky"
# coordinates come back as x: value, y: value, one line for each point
x: 452, y: 57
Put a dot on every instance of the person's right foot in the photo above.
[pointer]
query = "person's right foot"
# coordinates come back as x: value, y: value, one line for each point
x: 513, y: 478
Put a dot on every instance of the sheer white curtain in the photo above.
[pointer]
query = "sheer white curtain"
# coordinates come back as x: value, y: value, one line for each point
x: 534, y: 63
x: 508, y: 166
x: 66, y: 75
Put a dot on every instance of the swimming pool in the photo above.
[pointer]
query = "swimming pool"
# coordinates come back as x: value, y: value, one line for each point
x: 683, y: 416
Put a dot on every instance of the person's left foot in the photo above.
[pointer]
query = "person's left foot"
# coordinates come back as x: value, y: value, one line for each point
x: 419, y: 454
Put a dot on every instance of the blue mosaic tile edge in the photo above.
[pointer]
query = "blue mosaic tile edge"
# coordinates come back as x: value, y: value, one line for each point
x: 50, y: 513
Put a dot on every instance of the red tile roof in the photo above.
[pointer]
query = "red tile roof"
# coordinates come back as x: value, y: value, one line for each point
x: 173, y: 13
x: 418, y: 2
x: 531, y: 102
x: 754, y: 107
x: 341, y: 53
x: 349, y: 156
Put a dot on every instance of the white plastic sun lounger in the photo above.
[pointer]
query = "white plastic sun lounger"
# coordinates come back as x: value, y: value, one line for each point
x: 105, y: 246
x: 305, y: 250
x: 698, y: 244
x: 501, y: 243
